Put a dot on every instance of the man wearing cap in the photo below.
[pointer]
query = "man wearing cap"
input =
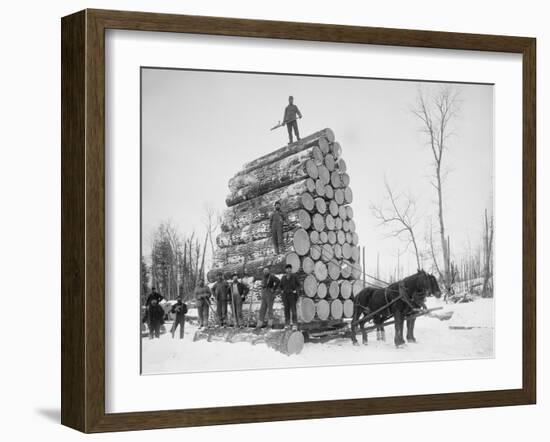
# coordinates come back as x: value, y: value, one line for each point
x: 276, y: 223
x: 154, y: 295
x: 202, y: 297
x: 289, y: 288
x: 179, y: 309
x: 221, y: 292
x: 292, y: 113
x: 238, y: 295
x: 270, y: 283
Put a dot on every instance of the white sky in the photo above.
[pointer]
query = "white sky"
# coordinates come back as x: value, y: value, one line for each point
x: 199, y: 128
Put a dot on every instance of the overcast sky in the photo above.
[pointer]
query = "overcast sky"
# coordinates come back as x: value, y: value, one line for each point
x: 199, y: 128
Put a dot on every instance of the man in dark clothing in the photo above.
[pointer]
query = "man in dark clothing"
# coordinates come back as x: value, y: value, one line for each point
x: 292, y: 113
x: 289, y: 287
x: 221, y: 291
x: 155, y: 318
x: 270, y: 283
x: 180, y: 309
x: 202, y: 297
x: 154, y: 295
x: 238, y: 295
x: 277, y: 222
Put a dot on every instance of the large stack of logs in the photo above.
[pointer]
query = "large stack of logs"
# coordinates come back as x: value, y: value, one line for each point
x: 309, y: 178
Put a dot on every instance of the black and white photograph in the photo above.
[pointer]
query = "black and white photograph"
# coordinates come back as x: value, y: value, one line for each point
x: 304, y: 220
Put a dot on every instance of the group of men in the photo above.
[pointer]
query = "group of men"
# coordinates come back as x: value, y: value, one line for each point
x: 234, y: 293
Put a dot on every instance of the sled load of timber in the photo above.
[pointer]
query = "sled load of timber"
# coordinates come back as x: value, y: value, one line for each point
x: 309, y: 179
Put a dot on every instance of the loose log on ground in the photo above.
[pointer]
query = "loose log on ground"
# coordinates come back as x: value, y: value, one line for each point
x: 288, y: 342
x: 312, y: 140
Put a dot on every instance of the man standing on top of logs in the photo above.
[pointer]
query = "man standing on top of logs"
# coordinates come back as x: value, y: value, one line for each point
x: 222, y: 292
x: 202, y: 296
x: 276, y: 223
x: 292, y: 113
x: 270, y: 283
x: 238, y: 295
x: 289, y: 287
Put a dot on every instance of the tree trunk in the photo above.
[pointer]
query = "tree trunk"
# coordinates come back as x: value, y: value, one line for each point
x: 286, y: 151
x: 273, y: 176
x: 259, y: 209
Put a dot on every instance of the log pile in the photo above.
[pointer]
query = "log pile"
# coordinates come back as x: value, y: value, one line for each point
x: 309, y: 179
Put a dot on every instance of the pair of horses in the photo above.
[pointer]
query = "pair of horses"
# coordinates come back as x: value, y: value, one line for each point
x: 400, y: 300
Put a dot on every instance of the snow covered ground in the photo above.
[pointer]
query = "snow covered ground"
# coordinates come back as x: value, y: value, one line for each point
x: 469, y: 334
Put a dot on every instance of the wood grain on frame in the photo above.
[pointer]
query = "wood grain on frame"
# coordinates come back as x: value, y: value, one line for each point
x: 83, y: 219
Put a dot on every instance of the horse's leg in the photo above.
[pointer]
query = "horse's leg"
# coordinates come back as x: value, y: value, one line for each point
x: 382, y: 333
x: 410, y: 330
x: 364, y: 334
x: 398, y: 339
x: 355, y: 317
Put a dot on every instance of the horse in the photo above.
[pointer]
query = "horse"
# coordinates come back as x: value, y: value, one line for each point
x: 413, y: 291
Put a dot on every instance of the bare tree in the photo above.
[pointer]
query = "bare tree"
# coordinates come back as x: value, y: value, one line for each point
x: 436, y: 112
x: 487, y: 254
x: 399, y: 214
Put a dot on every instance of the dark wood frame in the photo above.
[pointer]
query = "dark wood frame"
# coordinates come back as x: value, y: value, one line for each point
x: 83, y: 220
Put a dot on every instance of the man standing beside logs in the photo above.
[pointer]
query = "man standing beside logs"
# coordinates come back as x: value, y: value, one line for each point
x: 270, y: 283
x: 202, y: 296
x: 222, y: 292
x: 276, y: 223
x: 289, y: 288
x: 238, y: 294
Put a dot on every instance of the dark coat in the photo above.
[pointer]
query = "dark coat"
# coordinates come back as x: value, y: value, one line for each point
x: 155, y: 314
x: 241, y: 288
x: 154, y: 295
x: 289, y: 284
x: 270, y: 282
x: 291, y: 113
x: 277, y: 220
x: 180, y: 309
x: 221, y: 290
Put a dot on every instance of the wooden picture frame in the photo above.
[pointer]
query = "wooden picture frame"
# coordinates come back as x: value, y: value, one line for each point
x: 83, y: 219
